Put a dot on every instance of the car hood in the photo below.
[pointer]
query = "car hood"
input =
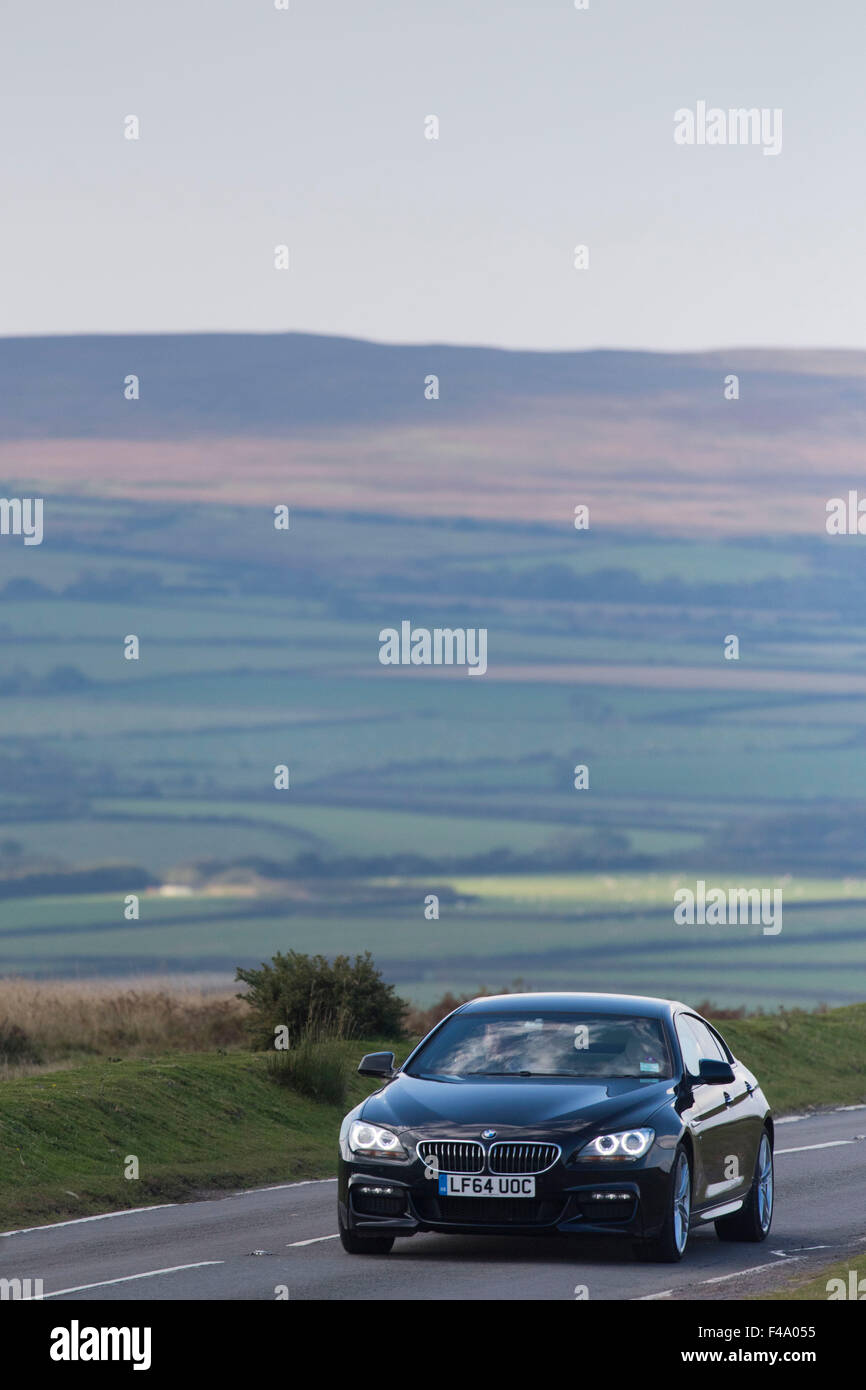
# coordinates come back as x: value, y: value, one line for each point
x: 411, y: 1102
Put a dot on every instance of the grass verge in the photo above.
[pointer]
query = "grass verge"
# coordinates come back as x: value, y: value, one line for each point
x: 815, y: 1288
x: 193, y: 1122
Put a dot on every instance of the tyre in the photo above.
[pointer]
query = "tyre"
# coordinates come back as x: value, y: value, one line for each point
x: 752, y: 1222
x: 362, y: 1245
x: 670, y: 1244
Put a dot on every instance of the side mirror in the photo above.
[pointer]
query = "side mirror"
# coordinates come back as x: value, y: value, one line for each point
x: 715, y: 1073
x: 380, y: 1064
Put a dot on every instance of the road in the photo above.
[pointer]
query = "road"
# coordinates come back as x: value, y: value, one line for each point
x: 280, y: 1242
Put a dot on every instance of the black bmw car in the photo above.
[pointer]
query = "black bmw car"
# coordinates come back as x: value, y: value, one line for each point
x: 574, y: 1113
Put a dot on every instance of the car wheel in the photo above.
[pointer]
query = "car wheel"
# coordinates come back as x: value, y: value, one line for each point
x: 362, y: 1245
x: 752, y: 1222
x: 670, y: 1244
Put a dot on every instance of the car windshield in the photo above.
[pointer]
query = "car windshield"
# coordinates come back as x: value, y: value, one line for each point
x: 546, y: 1044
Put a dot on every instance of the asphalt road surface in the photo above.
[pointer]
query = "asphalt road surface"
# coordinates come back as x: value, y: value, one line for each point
x: 281, y: 1242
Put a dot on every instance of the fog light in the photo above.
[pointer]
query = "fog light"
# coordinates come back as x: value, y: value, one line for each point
x: 611, y: 1197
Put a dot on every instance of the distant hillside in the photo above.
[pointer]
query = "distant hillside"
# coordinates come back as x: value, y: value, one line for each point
x: 648, y: 438
x: 195, y: 384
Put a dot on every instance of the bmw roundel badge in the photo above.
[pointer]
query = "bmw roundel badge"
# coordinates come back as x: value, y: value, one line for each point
x: 488, y: 1134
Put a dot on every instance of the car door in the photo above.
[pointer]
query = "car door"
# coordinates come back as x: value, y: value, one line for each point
x: 745, y: 1117
x: 700, y: 1114
x: 727, y: 1117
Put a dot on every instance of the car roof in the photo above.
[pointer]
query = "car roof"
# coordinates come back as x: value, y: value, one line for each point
x: 640, y: 1005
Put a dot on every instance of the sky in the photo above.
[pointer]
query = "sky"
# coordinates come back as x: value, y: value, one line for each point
x: 305, y: 127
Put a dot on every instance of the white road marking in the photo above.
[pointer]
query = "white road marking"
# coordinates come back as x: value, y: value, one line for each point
x: 804, y: 1148
x: 79, y: 1220
x: 784, y: 1253
x: 738, y: 1274
x: 755, y: 1269
x: 281, y: 1186
x: 127, y: 1278
x: 313, y: 1241
x: 159, y: 1206
x: 816, y: 1114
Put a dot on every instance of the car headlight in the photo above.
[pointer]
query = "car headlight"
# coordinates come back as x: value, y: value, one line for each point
x: 372, y: 1142
x: 625, y: 1143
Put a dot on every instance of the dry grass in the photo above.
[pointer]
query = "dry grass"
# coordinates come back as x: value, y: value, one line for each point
x: 46, y: 1022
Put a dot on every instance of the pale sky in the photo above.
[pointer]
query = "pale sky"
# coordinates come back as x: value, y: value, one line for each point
x: 306, y: 127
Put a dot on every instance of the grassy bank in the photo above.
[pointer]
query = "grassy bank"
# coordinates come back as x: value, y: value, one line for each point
x: 194, y: 1122
x: 804, y: 1059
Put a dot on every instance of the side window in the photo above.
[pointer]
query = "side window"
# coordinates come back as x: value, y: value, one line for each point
x: 721, y: 1044
x: 689, y: 1044
x: 709, y: 1046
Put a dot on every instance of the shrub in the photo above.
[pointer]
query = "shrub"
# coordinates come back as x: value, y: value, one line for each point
x: 309, y: 994
x: 16, y: 1046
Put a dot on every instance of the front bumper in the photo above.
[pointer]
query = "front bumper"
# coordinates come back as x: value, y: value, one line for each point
x: 390, y: 1198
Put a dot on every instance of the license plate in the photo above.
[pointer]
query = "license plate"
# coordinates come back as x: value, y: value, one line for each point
x: 460, y: 1185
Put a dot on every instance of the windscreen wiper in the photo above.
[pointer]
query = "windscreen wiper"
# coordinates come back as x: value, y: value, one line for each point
x: 524, y: 1073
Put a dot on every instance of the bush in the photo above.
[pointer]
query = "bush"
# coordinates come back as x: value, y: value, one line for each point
x: 316, y: 1067
x: 16, y: 1046
x: 310, y: 995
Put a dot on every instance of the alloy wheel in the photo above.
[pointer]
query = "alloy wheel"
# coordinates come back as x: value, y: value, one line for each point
x: 682, y: 1202
x: 765, y: 1183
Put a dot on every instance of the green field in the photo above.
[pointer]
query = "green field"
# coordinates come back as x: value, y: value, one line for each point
x: 593, y: 932
x: 259, y: 649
